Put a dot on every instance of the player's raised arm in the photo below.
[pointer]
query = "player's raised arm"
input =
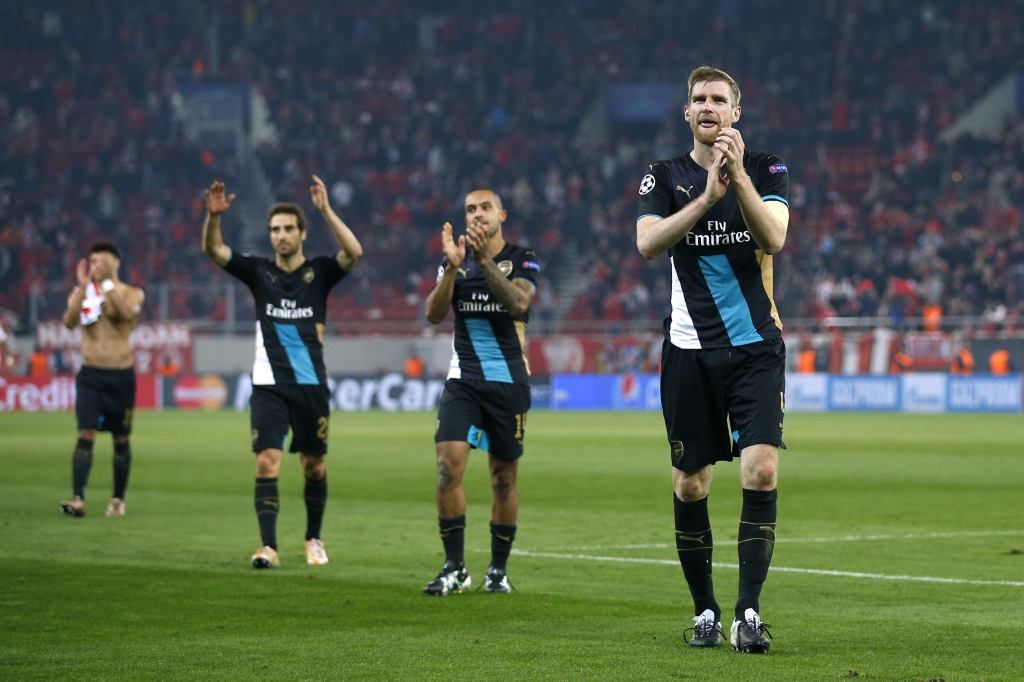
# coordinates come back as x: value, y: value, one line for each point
x: 768, y: 221
x: 351, y: 249
x: 73, y: 315
x: 515, y: 295
x: 440, y: 299
x: 216, y: 204
x: 656, y: 235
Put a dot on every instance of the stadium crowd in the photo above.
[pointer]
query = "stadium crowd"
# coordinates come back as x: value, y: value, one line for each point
x: 403, y: 106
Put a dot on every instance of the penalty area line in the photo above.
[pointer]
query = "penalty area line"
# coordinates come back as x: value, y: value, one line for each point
x: 779, y: 569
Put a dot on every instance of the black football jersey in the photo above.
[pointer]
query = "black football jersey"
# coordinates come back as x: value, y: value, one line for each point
x: 721, y: 281
x: 288, y: 307
x: 489, y: 343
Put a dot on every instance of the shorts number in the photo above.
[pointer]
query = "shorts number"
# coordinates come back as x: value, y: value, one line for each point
x: 128, y: 415
x: 520, y: 425
x: 323, y: 427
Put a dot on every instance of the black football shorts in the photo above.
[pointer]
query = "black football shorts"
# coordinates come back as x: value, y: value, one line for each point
x: 105, y: 399
x: 718, y: 401
x: 303, y: 407
x: 489, y: 415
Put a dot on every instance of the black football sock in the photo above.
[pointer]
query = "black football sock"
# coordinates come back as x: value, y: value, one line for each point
x: 756, y: 543
x: 268, y: 503
x: 316, y: 500
x: 501, y: 544
x: 122, y: 467
x: 81, y: 465
x: 694, y: 544
x: 453, y: 535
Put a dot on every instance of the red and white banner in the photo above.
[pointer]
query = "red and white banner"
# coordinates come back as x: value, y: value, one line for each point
x: 155, y: 345
x: 57, y: 393
x: 930, y: 350
x: 586, y: 354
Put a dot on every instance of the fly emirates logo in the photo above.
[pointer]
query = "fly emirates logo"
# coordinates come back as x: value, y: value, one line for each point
x: 717, y: 235
x: 289, y: 310
x: 481, y: 303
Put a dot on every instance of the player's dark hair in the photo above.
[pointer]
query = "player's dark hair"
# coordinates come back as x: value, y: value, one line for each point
x: 709, y: 74
x: 288, y: 207
x: 496, y: 196
x: 105, y: 247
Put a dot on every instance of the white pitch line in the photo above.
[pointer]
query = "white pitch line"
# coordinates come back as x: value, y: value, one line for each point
x: 780, y: 569
x: 845, y: 538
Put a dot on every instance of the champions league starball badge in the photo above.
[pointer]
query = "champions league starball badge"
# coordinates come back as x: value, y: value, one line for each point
x: 647, y: 184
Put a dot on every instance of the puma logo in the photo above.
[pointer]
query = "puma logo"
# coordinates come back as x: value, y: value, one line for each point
x: 464, y: 273
x: 686, y: 191
x: 699, y: 539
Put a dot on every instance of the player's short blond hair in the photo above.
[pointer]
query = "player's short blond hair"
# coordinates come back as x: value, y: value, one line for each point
x: 709, y: 74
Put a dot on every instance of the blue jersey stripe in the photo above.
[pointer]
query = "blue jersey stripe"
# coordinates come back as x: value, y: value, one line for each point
x: 732, y: 306
x: 775, y: 197
x: 492, y: 360
x: 651, y: 215
x: 298, y: 354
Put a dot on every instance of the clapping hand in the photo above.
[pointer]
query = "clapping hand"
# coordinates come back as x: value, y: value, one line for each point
x: 479, y: 243
x: 717, y: 184
x: 730, y: 144
x: 454, y: 253
x: 82, y: 273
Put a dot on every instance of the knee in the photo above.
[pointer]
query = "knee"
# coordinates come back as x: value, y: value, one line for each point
x: 120, y: 440
x: 266, y: 465
x: 762, y: 475
x: 447, y: 474
x: 314, y: 469
x: 691, y: 488
x: 87, y: 434
x: 503, y: 483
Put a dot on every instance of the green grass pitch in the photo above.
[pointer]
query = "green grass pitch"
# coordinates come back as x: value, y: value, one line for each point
x: 167, y: 593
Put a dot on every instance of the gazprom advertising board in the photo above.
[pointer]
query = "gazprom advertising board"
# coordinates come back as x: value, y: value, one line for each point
x: 915, y: 392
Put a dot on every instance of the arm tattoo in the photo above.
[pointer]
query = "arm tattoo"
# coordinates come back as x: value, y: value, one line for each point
x: 507, y: 293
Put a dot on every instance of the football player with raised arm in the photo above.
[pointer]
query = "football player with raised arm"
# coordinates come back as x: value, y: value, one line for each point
x: 720, y: 212
x: 107, y: 310
x: 288, y: 375
x: 487, y: 394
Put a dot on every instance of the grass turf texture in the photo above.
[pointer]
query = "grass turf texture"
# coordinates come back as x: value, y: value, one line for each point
x: 166, y: 592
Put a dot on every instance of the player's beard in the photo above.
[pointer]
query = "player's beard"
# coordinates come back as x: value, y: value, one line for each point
x: 706, y: 136
x: 100, y: 274
x: 288, y: 250
x: 489, y: 228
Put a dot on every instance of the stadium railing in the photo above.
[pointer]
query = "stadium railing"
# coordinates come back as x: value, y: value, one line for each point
x: 222, y: 306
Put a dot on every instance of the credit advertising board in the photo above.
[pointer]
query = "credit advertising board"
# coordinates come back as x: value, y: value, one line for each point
x: 57, y: 393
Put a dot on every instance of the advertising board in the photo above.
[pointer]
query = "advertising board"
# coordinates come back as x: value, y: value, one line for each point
x: 57, y: 393
x: 811, y: 392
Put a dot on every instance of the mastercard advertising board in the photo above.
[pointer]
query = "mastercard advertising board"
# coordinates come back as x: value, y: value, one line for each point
x: 207, y: 392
